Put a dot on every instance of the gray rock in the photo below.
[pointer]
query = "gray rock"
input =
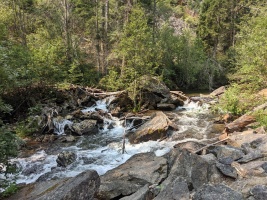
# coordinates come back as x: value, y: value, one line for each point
x: 142, y: 194
x: 264, y: 167
x: 214, y: 175
x: 259, y: 192
x: 82, y: 187
x: 181, y: 163
x: 218, y: 192
x: 154, y: 129
x: 245, y: 185
x: 228, y: 151
x: 227, y: 170
x: 177, y: 190
x: 85, y: 127
x: 165, y: 106
x: 251, y: 156
x: 139, y: 170
x: 65, y: 158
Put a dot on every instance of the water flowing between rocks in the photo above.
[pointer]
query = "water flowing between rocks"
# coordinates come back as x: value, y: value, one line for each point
x: 103, y: 151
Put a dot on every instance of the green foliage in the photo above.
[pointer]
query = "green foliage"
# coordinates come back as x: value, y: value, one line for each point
x: 10, y: 190
x: 47, y: 57
x: 5, y: 108
x: 261, y: 117
x: 230, y: 101
x: 135, y: 47
x: 184, y: 62
x: 251, y: 70
x: 27, y: 127
x: 9, y: 149
x: 13, y: 66
x: 251, y: 51
x: 111, y: 82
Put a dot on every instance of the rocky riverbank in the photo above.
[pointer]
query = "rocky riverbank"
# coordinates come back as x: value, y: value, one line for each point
x: 224, y: 159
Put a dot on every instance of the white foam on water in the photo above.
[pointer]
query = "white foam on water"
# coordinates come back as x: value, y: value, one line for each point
x: 101, y: 104
x: 192, y: 106
x: 40, y: 160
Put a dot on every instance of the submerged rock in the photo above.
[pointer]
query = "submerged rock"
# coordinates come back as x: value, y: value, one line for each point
x: 65, y: 158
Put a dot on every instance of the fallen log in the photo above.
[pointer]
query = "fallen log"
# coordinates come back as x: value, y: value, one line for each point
x: 179, y: 94
x: 239, y: 123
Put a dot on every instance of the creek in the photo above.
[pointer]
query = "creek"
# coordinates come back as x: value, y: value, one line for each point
x: 103, y: 151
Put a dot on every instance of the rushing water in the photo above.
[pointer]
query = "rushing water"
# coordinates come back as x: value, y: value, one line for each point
x: 103, y: 151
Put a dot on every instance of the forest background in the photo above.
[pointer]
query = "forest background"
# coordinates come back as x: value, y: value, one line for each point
x: 188, y: 44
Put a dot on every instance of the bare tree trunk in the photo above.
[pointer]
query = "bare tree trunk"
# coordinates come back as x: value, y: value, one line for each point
x: 106, y: 36
x: 66, y: 20
x: 97, y: 38
x: 19, y: 22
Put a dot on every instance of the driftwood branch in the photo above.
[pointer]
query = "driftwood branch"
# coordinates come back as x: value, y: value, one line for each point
x: 212, y: 144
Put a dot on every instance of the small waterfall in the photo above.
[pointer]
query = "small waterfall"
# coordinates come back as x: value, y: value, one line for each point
x: 60, y: 124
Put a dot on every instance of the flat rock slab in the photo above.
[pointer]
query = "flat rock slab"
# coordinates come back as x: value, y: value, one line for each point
x: 82, y: 187
x: 154, y: 129
x: 139, y: 170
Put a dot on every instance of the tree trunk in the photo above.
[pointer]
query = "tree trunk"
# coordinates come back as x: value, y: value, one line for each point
x: 97, y: 38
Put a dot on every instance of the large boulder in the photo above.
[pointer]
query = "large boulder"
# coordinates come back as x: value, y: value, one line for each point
x: 128, y: 178
x: 82, y: 187
x: 154, y: 129
x: 195, y: 169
